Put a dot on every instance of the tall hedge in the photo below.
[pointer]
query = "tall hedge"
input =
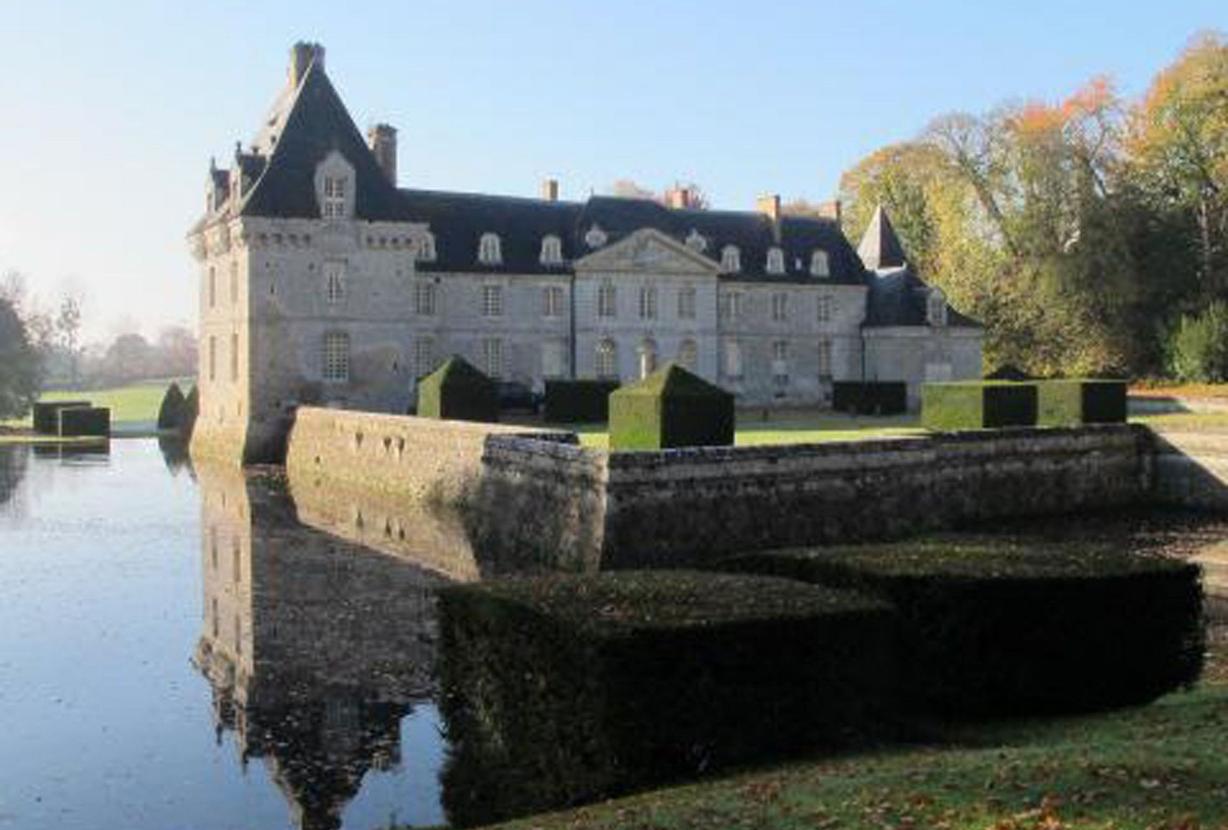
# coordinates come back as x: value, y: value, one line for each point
x: 992, y: 630
x: 191, y: 411
x: 1081, y: 401
x: 171, y: 411
x: 457, y: 391
x: 565, y: 689
x: 578, y: 401
x: 977, y: 405
x: 671, y: 408
x: 870, y: 397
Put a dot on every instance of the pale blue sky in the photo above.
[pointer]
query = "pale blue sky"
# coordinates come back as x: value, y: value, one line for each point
x: 111, y: 111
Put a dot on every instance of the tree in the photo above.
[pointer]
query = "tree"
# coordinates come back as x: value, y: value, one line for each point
x: 177, y: 352
x: 20, y: 364
x: 68, y: 329
x: 128, y: 358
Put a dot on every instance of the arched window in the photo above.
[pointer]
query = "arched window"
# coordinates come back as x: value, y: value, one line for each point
x: 775, y: 261
x: 688, y: 355
x: 426, y: 248
x: 648, y: 357
x: 936, y: 308
x: 731, y: 259
x: 336, y: 356
x: 489, y: 251
x: 819, y: 264
x: 552, y: 250
x: 607, y: 359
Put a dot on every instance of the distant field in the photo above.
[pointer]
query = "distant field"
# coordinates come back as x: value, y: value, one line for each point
x: 132, y: 407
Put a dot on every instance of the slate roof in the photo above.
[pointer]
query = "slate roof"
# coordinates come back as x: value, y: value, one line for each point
x: 880, y: 247
x: 898, y: 298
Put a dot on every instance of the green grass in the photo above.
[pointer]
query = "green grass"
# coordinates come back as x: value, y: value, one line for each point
x: 1184, y: 420
x: 800, y: 427
x: 133, y: 407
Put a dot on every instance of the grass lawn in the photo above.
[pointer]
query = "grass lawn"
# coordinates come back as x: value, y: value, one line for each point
x: 1186, y: 420
x: 1157, y: 766
x: 789, y: 427
x: 133, y: 408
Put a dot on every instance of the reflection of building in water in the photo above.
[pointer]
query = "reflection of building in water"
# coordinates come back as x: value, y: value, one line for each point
x: 316, y: 649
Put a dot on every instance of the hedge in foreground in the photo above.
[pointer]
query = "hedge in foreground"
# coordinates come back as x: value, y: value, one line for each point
x: 977, y: 405
x: 998, y: 630
x: 671, y: 408
x: 1074, y: 402
x: 566, y: 689
x: 84, y: 420
x: 47, y: 415
x: 457, y: 391
x: 870, y: 397
x: 578, y: 401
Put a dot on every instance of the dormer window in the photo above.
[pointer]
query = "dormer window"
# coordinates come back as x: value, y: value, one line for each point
x: 426, y: 248
x: 552, y: 250
x: 335, y: 188
x: 820, y: 266
x: 696, y: 241
x: 595, y: 237
x: 731, y: 259
x: 775, y: 261
x: 936, y: 308
x: 489, y: 251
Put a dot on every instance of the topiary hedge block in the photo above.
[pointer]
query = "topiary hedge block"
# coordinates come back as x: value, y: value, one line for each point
x: 459, y: 392
x: 870, y: 397
x: 1074, y: 402
x: 84, y: 420
x: 578, y: 401
x: 977, y: 405
x: 671, y: 408
x: 566, y: 689
x: 47, y: 415
x: 993, y: 630
x: 171, y: 411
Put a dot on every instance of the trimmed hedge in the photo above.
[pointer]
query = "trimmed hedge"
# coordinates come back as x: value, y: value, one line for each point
x: 457, y: 391
x: 84, y: 420
x: 977, y: 405
x: 671, y: 408
x: 565, y: 689
x: 994, y: 630
x: 191, y: 411
x: 47, y: 415
x: 1074, y: 402
x: 870, y: 397
x: 578, y: 401
x: 171, y: 411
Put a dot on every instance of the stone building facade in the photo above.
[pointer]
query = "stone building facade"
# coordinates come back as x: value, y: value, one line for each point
x: 323, y: 282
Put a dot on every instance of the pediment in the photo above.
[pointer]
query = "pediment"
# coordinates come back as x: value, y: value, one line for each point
x: 648, y: 251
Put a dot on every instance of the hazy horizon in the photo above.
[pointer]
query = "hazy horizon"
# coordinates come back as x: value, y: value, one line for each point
x: 114, y: 116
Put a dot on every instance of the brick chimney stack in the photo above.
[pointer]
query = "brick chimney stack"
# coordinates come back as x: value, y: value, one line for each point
x: 769, y: 206
x: 550, y: 190
x: 679, y: 197
x: 302, y: 56
x: 382, y: 139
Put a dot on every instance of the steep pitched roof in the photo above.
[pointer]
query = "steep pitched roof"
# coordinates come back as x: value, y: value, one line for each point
x: 898, y: 298
x: 314, y: 122
x: 880, y: 247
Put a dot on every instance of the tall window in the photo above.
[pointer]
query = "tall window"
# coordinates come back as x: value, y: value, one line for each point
x: 731, y: 259
x: 424, y: 298
x: 334, y: 196
x: 552, y: 250
x: 686, y: 303
x: 336, y: 356
x: 234, y: 283
x: 489, y: 252
x: 234, y: 358
x: 212, y: 357
x: 775, y: 261
x: 780, y: 363
x: 492, y: 301
x: 424, y: 356
x: 607, y: 300
x: 825, y: 358
x: 426, y: 248
x: 607, y: 359
x: 648, y: 358
x: 819, y: 264
x: 212, y: 286
x: 552, y: 301
x: 780, y: 306
x: 688, y: 355
x: 733, y: 359
x: 334, y: 282
x: 553, y: 359
x: 492, y: 356
x: 825, y: 308
x: 648, y: 302
x: 731, y: 305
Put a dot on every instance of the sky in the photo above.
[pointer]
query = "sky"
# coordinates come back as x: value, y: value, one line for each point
x: 112, y: 111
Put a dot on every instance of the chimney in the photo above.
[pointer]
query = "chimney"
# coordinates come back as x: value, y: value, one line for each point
x: 769, y: 206
x: 550, y: 190
x: 382, y: 139
x: 679, y: 197
x: 302, y: 56
x: 831, y: 210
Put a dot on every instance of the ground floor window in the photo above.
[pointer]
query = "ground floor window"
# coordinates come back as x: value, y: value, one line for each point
x: 733, y: 360
x: 688, y: 355
x: 780, y: 363
x: 424, y: 356
x: 607, y: 359
x: 336, y: 356
x: 648, y: 358
x: 824, y: 358
x: 492, y: 356
x: 554, y: 361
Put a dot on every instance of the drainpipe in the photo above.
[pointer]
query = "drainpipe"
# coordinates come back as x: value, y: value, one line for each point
x: 572, y: 326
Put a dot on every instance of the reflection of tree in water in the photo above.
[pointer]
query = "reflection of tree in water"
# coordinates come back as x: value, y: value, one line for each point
x: 13, y: 461
x: 175, y: 453
x: 315, y: 648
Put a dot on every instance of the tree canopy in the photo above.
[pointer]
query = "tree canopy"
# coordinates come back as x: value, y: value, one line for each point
x: 19, y: 364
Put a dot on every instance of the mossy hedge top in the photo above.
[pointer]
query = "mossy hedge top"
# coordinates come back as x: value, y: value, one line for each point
x: 673, y: 381
x: 611, y: 604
